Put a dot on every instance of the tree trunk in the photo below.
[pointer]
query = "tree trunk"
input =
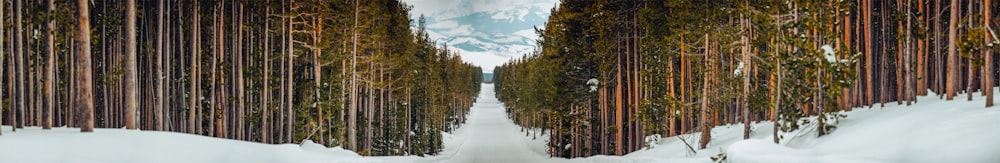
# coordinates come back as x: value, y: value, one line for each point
x: 49, y: 69
x: 3, y: 57
x: 777, y: 104
x: 158, y: 100
x: 291, y: 81
x: 952, y: 52
x: 240, y: 85
x: 619, y: 132
x: 316, y: 73
x: 352, y: 139
x: 746, y: 81
x: 131, y: 79
x: 84, y: 96
x: 988, y: 75
x: 20, y: 72
x: 265, y: 97
x: 868, y: 52
x: 214, y: 122
x: 194, y: 122
x: 706, y: 128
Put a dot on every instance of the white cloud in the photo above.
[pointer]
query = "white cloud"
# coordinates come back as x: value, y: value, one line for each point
x: 499, y: 47
x: 444, y: 25
x: 457, y: 31
x: 444, y: 9
x: 486, y: 60
x: 527, y: 33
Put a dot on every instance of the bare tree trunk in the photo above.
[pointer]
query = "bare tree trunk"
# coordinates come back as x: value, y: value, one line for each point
x: 316, y: 72
x: 3, y: 57
x: 746, y: 79
x: 240, y: 93
x: 619, y: 129
x: 20, y: 72
x: 85, y: 93
x: 868, y: 52
x: 265, y: 98
x: 158, y: 100
x: 352, y: 139
x: 777, y: 104
x: 291, y: 83
x: 952, y: 52
x: 49, y: 70
x: 214, y: 124
x: 193, y: 101
x: 988, y: 75
x: 131, y: 78
x: 706, y: 128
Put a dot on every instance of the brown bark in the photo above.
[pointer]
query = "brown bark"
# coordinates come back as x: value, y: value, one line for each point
x: 706, y: 128
x: 619, y: 132
x: 265, y: 97
x: 158, y: 99
x: 868, y: 52
x: 3, y: 57
x: 746, y: 78
x: 921, y: 52
x: 18, y: 112
x: 240, y: 85
x: 952, y: 64
x: 131, y: 79
x: 84, y: 96
x: 291, y: 80
x: 194, y: 120
x: 988, y: 75
x: 49, y: 69
x: 214, y: 121
x: 352, y: 139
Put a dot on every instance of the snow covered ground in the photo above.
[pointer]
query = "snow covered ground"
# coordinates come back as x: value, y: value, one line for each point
x: 932, y: 130
x: 34, y: 145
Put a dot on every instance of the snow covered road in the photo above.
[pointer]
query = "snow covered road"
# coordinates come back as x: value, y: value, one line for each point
x: 491, y: 137
x: 488, y: 136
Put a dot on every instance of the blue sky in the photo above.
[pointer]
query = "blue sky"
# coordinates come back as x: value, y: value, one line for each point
x: 487, y: 33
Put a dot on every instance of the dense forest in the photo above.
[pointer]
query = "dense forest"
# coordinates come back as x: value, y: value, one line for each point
x: 353, y: 73
x: 608, y: 73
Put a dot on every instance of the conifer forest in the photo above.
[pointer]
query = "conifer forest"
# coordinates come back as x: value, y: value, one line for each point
x: 608, y: 73
x: 340, y: 72
x: 607, y: 77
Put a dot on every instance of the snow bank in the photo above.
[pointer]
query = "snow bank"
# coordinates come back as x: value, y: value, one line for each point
x: 754, y: 150
x: 932, y: 130
x: 34, y: 145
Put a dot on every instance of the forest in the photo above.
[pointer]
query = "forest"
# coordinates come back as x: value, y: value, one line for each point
x: 354, y: 73
x: 608, y: 73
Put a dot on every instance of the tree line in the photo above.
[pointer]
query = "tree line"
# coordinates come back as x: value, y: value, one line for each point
x: 348, y: 73
x: 610, y: 72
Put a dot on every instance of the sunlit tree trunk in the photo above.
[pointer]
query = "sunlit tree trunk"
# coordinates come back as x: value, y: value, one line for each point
x: 84, y: 96
x: 352, y: 139
x: 18, y: 112
x: 988, y: 75
x: 49, y: 68
x: 194, y: 120
x: 706, y: 127
x: 158, y: 99
x: 3, y: 57
x: 952, y: 80
x: 265, y: 97
x: 131, y: 79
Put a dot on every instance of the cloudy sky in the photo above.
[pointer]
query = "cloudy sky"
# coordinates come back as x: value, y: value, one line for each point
x: 487, y: 33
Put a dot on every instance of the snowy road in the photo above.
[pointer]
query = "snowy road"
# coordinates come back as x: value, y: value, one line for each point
x: 491, y: 137
x: 487, y: 136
